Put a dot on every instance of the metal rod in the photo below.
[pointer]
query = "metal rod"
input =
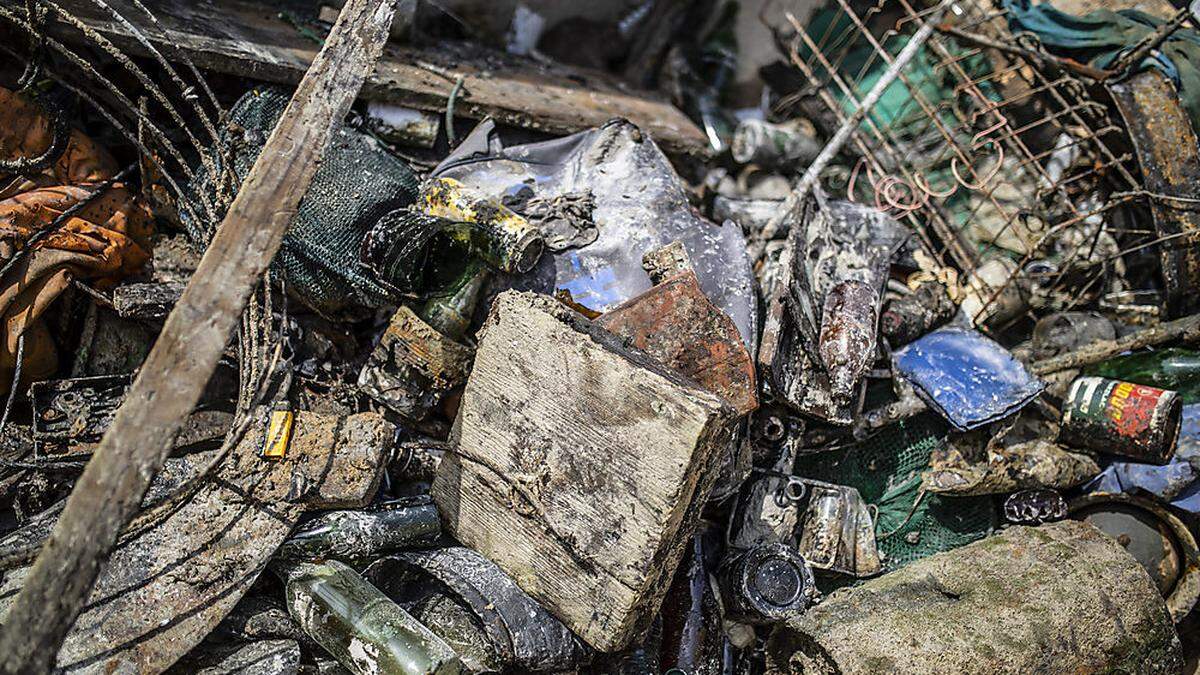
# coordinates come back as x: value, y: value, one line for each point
x: 848, y: 127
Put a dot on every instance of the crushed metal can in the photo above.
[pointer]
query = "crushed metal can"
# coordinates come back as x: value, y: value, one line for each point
x: 837, y: 532
x: 1122, y: 418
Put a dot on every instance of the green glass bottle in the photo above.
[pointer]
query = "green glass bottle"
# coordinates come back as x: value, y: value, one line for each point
x: 359, y: 626
x: 1176, y: 369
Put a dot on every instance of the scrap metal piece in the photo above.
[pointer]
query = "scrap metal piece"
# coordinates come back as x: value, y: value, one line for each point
x: 172, y: 581
x: 1122, y: 418
x: 677, y: 324
x: 832, y: 244
x: 69, y: 412
x: 524, y: 634
x: 414, y: 366
x: 837, y: 532
x: 966, y: 377
x: 1169, y: 155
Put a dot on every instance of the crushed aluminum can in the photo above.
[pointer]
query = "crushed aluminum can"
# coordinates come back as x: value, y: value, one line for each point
x: 837, y: 532
x: 1122, y: 418
x: 966, y: 377
x: 1034, y: 507
x: 767, y: 584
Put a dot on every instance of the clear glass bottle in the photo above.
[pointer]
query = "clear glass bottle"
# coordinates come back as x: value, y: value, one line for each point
x: 359, y: 626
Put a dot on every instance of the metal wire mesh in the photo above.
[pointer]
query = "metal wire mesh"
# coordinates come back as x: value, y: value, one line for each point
x: 985, y: 150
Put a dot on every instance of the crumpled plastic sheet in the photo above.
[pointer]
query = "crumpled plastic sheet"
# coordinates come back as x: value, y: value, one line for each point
x: 1175, y: 483
x: 966, y: 377
x: 639, y: 205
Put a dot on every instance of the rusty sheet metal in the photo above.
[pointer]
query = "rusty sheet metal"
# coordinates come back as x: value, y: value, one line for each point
x: 166, y: 588
x: 1169, y: 155
x: 679, y: 326
x: 253, y: 40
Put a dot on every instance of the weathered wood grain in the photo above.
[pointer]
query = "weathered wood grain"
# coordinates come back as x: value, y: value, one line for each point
x: 172, y: 379
x: 251, y: 39
x: 579, y: 465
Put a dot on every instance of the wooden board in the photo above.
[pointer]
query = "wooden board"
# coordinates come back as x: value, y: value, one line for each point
x: 172, y: 379
x: 244, y: 38
x: 580, y: 465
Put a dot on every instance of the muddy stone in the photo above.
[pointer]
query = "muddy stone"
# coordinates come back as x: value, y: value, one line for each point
x: 1057, y: 598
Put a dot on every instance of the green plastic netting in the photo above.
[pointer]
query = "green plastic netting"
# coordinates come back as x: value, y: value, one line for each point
x: 357, y: 185
x: 886, y: 470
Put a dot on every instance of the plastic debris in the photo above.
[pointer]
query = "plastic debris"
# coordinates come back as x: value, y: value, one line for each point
x: 967, y: 378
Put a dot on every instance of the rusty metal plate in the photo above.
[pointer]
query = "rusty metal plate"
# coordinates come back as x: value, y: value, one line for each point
x: 1169, y: 155
x: 678, y: 325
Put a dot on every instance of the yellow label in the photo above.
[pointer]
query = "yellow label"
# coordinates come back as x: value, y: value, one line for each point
x: 279, y: 434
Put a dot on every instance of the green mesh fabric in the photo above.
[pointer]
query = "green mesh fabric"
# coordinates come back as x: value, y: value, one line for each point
x: 886, y: 470
x: 357, y: 184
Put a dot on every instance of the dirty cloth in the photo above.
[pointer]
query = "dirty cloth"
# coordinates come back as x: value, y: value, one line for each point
x: 104, y: 241
x: 1175, y: 483
x: 356, y: 186
x: 1101, y: 36
x: 638, y: 204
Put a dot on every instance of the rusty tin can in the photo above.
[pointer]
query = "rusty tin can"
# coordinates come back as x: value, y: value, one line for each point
x: 1122, y: 418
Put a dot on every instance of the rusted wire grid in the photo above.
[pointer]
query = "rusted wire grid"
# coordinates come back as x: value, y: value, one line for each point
x: 1028, y: 161
x: 961, y: 256
x: 99, y: 87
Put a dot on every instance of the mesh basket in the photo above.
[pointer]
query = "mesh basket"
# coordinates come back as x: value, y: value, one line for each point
x: 886, y: 470
x: 357, y: 184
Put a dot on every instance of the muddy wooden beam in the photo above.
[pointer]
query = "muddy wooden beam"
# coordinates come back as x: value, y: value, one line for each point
x: 250, y: 39
x: 108, y: 493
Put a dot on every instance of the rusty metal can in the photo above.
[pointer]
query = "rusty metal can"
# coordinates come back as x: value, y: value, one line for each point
x: 1122, y: 418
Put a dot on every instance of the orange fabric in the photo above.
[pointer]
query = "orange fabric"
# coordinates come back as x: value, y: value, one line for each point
x: 106, y: 240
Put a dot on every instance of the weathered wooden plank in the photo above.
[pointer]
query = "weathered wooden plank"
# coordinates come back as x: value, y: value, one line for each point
x: 170, y: 383
x: 250, y: 39
x: 579, y: 467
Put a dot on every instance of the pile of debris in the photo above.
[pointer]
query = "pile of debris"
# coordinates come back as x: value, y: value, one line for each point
x: 731, y: 338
